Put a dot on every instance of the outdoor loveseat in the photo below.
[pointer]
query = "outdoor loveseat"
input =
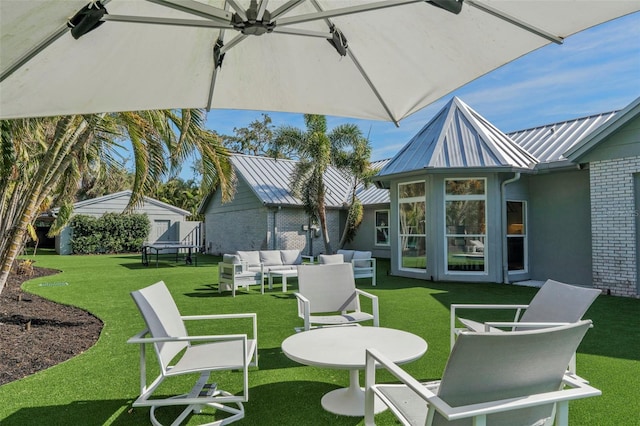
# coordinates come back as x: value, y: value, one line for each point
x: 246, y: 268
x: 364, y: 266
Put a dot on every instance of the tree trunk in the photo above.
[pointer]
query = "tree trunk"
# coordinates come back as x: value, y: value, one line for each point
x: 51, y: 166
x: 322, y: 215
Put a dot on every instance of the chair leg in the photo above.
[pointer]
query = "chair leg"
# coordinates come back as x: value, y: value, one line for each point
x: 202, y: 389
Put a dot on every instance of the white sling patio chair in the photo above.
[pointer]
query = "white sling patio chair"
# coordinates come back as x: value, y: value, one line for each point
x: 504, y: 379
x: 328, y: 296
x: 178, y: 354
x: 554, y: 304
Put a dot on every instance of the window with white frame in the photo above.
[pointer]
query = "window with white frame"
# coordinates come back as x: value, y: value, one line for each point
x: 517, y: 235
x: 412, y: 225
x: 382, y: 227
x: 465, y: 224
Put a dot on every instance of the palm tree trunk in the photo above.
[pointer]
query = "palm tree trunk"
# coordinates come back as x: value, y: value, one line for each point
x: 52, y: 165
x: 322, y: 215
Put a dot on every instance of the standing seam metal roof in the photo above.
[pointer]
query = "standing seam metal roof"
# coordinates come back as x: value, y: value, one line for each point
x: 549, y: 142
x: 269, y: 179
x: 458, y: 137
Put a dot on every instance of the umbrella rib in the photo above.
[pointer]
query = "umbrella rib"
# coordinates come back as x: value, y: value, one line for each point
x: 166, y: 21
x: 343, y: 11
x: 239, y: 10
x: 261, y: 9
x: 286, y: 7
x: 515, y: 21
x: 372, y: 86
x: 196, y: 8
x: 214, y: 74
x: 302, y: 32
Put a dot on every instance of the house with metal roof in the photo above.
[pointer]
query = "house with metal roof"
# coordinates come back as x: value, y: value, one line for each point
x: 264, y: 215
x: 470, y: 203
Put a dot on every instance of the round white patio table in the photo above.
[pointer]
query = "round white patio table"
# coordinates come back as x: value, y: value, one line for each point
x: 344, y: 348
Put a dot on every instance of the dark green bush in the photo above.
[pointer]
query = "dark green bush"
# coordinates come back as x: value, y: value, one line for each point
x: 111, y: 233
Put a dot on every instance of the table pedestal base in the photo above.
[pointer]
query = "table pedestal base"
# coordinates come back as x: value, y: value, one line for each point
x: 349, y: 401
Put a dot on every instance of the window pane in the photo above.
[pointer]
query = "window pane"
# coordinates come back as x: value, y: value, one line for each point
x: 382, y: 218
x: 413, y: 252
x: 515, y: 218
x: 515, y: 253
x: 412, y: 218
x: 465, y: 254
x: 464, y: 187
x: 409, y: 190
x: 382, y: 236
x: 465, y: 217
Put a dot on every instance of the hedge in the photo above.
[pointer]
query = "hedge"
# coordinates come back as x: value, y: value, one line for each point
x: 111, y: 233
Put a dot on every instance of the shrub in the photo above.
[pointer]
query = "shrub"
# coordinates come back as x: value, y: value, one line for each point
x: 111, y: 233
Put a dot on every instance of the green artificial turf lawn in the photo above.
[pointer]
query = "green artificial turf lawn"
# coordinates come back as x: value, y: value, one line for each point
x: 98, y: 387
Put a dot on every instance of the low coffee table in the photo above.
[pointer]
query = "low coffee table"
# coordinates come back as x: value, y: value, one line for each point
x: 344, y: 348
x: 284, y: 273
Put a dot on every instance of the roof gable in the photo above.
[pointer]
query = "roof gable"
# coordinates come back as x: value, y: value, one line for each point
x: 459, y: 137
x: 126, y: 194
x: 595, y: 139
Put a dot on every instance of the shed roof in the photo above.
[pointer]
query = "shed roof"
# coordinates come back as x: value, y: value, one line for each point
x: 269, y: 179
x: 459, y: 137
x: 126, y: 193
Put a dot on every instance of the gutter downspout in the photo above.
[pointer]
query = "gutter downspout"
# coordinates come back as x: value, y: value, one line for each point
x: 503, y: 209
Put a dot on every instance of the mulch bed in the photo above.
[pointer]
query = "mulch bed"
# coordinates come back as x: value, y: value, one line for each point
x: 36, y: 333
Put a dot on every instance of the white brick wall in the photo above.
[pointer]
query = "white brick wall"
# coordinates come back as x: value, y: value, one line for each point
x: 253, y: 229
x: 613, y: 225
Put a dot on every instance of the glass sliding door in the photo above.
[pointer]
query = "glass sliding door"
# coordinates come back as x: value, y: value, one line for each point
x: 465, y: 224
x: 516, y: 236
x: 412, y: 215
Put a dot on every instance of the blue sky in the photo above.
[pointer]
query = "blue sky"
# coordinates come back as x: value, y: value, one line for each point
x: 597, y: 70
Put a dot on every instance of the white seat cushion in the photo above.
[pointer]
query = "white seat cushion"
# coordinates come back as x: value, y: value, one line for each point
x: 347, y: 254
x: 251, y: 257
x: 291, y: 257
x: 327, y: 259
x: 364, y: 255
x: 270, y: 257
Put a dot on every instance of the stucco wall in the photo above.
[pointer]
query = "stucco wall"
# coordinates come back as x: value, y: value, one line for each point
x: 560, y: 227
x: 614, y: 219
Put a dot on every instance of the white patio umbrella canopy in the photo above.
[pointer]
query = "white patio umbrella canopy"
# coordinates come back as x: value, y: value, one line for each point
x: 399, y: 57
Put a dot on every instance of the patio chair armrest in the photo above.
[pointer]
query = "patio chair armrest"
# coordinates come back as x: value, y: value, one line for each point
x: 304, y: 308
x: 375, y: 359
x: 499, y: 324
x: 371, y: 261
x: 477, y: 306
x: 207, y: 338
x: 217, y: 316
x: 249, y: 315
x: 455, y: 306
x: 577, y: 390
x: 374, y: 305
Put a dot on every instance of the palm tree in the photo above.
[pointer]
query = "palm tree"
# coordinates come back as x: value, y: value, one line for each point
x: 316, y: 151
x: 354, y: 161
x: 42, y: 158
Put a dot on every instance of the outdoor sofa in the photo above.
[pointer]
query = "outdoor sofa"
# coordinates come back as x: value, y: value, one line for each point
x: 246, y: 268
